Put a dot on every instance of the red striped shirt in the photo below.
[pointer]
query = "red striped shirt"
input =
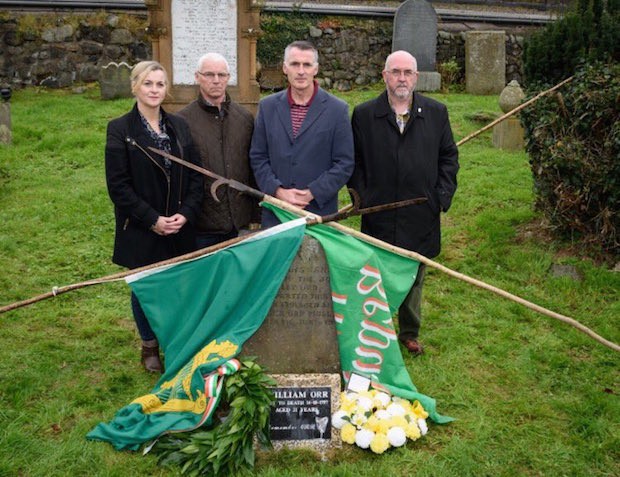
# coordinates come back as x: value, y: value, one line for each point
x: 299, y: 111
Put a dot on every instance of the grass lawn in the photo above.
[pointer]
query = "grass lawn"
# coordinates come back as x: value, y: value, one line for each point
x: 532, y: 396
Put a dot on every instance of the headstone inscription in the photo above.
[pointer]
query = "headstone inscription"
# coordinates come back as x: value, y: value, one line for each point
x: 199, y: 26
x: 299, y: 333
x: 302, y: 414
x: 415, y: 31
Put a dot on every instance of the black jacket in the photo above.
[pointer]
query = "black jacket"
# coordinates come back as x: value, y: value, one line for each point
x: 142, y: 190
x: 390, y: 166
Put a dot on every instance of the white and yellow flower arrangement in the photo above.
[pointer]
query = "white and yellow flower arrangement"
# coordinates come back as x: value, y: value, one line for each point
x: 374, y: 419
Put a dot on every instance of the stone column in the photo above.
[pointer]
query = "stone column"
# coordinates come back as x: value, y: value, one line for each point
x: 485, y: 62
x: 509, y: 134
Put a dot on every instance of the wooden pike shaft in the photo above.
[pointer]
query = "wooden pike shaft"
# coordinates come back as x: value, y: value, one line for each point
x: 480, y: 284
x: 119, y: 276
x: 364, y: 237
x: 513, y: 112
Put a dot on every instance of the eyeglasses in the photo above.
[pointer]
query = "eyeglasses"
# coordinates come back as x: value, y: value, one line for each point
x: 211, y: 76
x: 397, y: 73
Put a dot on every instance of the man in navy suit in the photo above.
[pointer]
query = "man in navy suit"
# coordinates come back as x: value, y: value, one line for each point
x: 302, y: 146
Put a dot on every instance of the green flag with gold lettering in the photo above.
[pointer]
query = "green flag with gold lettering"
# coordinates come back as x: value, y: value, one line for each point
x: 202, y: 311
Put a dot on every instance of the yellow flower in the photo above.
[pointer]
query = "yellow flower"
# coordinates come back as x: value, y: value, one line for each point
x: 398, y: 421
x: 379, y: 443
x: 412, y: 431
x: 348, y: 433
x: 384, y: 425
x: 373, y: 423
x: 419, y: 411
x: 348, y: 406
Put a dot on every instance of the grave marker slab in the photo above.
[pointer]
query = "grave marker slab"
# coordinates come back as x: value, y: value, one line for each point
x: 485, y: 62
x: 302, y: 415
x: 114, y: 81
x: 415, y: 31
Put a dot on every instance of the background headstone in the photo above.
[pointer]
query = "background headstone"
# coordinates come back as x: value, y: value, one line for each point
x: 415, y: 31
x: 114, y: 80
x: 192, y: 36
x: 299, y: 333
x: 5, y: 122
x: 485, y: 62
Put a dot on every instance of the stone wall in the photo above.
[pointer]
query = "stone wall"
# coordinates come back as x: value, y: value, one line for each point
x: 59, y: 50
x: 62, y: 49
x: 354, y: 56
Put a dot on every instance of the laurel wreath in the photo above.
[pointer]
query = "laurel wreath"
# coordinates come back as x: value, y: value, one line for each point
x: 227, y: 447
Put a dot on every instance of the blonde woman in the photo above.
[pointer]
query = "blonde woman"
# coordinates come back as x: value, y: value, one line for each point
x: 156, y: 201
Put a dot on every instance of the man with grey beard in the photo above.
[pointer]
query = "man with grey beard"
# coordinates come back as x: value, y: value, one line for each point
x: 404, y: 149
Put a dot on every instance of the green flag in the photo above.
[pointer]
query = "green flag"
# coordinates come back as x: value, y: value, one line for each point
x: 368, y: 285
x: 202, y: 311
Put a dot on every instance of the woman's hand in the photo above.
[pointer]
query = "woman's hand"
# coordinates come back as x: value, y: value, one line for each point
x: 169, y: 225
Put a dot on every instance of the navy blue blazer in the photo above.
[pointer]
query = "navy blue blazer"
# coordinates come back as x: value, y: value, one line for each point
x: 320, y: 158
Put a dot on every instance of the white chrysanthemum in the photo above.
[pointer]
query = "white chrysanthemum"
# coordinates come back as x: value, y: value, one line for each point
x: 382, y: 414
x: 397, y: 436
x: 383, y: 399
x: 338, y: 419
x: 363, y: 438
x: 350, y: 395
x: 423, y: 427
x: 358, y: 419
x: 364, y: 403
x: 396, y: 410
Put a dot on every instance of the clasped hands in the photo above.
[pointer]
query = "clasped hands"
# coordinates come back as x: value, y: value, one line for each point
x: 169, y: 225
x: 297, y: 197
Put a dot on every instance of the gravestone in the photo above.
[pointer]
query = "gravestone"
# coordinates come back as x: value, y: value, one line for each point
x: 114, y: 81
x: 297, y: 342
x: 509, y: 134
x: 5, y: 123
x: 302, y: 413
x: 299, y: 333
x: 485, y: 62
x: 415, y: 31
x: 181, y: 31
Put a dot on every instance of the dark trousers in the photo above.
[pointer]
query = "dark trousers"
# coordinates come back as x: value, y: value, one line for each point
x: 409, y: 313
x: 142, y: 323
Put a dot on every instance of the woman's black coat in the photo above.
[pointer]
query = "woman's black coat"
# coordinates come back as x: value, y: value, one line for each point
x: 142, y: 190
x: 390, y: 166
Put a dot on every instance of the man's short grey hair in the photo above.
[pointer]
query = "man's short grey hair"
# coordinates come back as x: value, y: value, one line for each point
x: 304, y: 46
x: 212, y: 57
x: 390, y: 56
